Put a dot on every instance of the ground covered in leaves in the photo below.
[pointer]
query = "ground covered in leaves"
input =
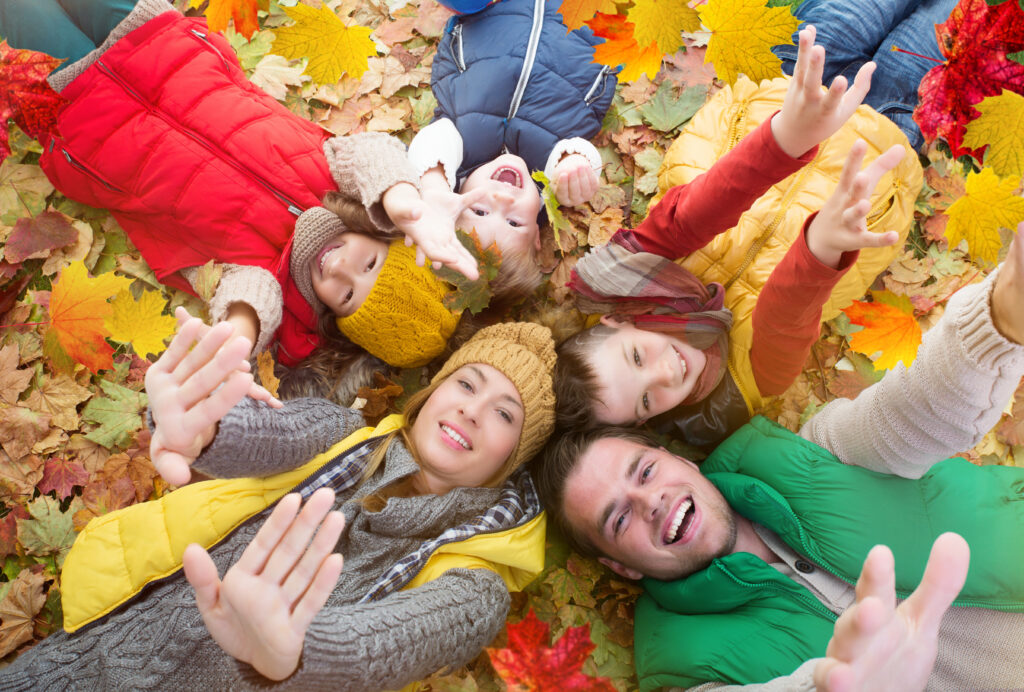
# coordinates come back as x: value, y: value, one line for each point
x: 72, y: 441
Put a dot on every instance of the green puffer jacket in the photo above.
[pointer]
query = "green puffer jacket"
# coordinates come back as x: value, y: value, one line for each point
x: 741, y: 621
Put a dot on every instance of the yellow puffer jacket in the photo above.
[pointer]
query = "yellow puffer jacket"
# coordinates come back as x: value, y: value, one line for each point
x: 743, y: 257
x: 117, y: 554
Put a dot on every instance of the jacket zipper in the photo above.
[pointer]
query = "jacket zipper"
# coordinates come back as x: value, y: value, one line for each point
x: 531, y: 55
x: 457, y: 54
x: 804, y: 598
x: 592, y: 92
x: 292, y: 206
x: 206, y: 42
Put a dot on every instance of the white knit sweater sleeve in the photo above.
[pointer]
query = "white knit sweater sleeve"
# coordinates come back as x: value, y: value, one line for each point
x: 437, y: 143
x: 572, y: 145
x: 954, y: 392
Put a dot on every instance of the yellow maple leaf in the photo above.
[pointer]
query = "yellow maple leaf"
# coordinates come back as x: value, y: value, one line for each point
x: 265, y: 368
x: 332, y: 47
x: 575, y: 13
x: 78, y: 306
x: 662, y: 22
x: 140, y: 323
x: 988, y: 204
x: 242, y: 11
x: 887, y: 329
x: 742, y: 35
x: 1001, y: 127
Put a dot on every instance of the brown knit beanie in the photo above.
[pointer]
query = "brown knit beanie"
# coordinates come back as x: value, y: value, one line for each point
x: 525, y: 353
x: 313, y: 229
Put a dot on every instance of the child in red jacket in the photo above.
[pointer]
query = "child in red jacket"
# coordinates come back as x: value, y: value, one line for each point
x: 162, y: 127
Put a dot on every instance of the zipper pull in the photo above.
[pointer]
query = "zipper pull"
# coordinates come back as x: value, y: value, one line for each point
x: 295, y: 210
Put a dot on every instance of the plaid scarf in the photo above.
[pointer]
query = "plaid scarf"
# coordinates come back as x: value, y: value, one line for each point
x: 658, y: 295
x: 517, y: 505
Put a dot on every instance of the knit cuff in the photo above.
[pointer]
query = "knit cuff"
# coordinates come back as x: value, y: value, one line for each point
x: 981, y: 341
x: 573, y: 145
x: 255, y: 287
x: 437, y: 143
x: 143, y: 11
x: 365, y: 166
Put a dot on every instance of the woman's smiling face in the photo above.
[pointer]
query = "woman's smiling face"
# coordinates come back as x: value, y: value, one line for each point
x: 345, y: 270
x: 467, y: 429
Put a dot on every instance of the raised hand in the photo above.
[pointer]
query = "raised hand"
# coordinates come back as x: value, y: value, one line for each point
x: 1008, y: 293
x: 429, y: 222
x: 841, y: 225
x: 810, y: 115
x: 575, y: 181
x: 879, y: 647
x: 186, y: 396
x: 260, y: 612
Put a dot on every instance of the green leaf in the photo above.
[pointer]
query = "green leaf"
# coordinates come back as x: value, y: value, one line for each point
x: 423, y: 108
x: 1017, y: 57
x: 49, y: 531
x: 665, y: 111
x: 249, y: 52
x: 555, y: 217
x: 117, y: 414
x: 472, y: 295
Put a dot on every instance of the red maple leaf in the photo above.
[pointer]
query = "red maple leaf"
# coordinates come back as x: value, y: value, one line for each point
x: 62, y: 475
x: 531, y: 663
x: 25, y: 95
x: 975, y: 41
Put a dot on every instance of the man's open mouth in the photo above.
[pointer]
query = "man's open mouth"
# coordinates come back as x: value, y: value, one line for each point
x: 680, y: 522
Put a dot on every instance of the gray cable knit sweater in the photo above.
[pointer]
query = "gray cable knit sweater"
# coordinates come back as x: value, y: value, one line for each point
x: 158, y: 640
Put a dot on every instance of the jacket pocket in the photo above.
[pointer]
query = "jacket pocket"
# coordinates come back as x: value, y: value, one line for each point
x: 82, y: 168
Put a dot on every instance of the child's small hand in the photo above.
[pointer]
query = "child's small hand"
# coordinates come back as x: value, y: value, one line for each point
x: 810, y: 115
x: 429, y: 222
x: 575, y: 181
x: 185, y: 393
x: 841, y: 225
x: 260, y: 612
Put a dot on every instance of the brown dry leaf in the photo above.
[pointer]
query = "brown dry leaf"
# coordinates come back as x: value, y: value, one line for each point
x: 13, y: 381
x: 93, y: 456
x: 379, y: 398
x: 431, y: 18
x: 19, y: 609
x: 21, y: 429
x: 603, y: 226
x: 388, y: 116
x: 638, y: 91
x: 134, y: 465
x: 265, y: 370
x: 688, y: 68
x: 58, y: 396
x: 559, y: 277
x: 348, y: 119
x: 101, y: 497
x: 20, y: 475
x: 391, y: 33
x: 1011, y: 427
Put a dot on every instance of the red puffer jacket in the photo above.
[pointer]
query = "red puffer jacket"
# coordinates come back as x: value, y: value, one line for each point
x: 194, y: 161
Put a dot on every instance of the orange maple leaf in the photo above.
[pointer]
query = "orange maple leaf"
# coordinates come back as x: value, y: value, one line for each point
x: 621, y: 48
x: 78, y: 306
x: 889, y: 328
x: 244, y: 12
x: 576, y: 12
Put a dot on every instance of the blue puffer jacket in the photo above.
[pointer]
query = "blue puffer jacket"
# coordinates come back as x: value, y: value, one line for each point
x: 511, y: 77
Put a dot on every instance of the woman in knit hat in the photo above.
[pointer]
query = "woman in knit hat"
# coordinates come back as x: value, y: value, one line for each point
x: 434, y: 515
x: 224, y: 174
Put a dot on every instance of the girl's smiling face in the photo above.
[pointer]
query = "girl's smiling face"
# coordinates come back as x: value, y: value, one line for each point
x: 507, y: 214
x: 641, y: 374
x: 345, y: 269
x: 467, y: 429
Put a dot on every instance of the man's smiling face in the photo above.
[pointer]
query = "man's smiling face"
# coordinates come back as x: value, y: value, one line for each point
x: 650, y: 512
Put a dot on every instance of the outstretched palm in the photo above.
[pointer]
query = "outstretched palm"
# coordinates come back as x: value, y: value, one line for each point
x: 260, y: 612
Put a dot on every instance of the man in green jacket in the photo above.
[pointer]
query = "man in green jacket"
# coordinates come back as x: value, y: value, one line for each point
x: 749, y: 561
